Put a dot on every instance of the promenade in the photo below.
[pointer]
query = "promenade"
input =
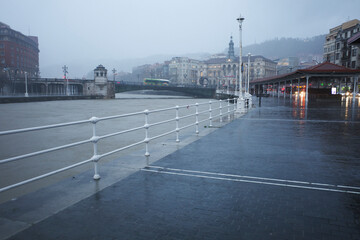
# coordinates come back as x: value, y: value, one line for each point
x: 281, y: 171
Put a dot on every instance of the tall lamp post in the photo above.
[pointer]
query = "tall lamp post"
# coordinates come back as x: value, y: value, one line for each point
x: 114, y: 73
x: 65, y: 68
x: 241, y: 100
x: 248, y: 73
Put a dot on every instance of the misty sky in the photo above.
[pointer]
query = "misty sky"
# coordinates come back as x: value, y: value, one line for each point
x: 84, y: 31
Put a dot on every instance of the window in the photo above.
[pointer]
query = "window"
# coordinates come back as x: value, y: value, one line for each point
x: 337, y: 56
x: 354, y: 52
x: 353, y: 64
x: 1, y: 45
x: 337, y: 46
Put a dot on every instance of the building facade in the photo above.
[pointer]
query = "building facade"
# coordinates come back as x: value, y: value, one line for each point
x: 18, y: 53
x: 336, y: 47
x: 184, y: 71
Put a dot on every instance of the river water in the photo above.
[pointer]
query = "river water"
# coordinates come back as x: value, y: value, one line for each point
x: 33, y: 114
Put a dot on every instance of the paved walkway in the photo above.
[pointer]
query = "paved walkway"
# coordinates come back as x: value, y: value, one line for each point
x: 279, y: 172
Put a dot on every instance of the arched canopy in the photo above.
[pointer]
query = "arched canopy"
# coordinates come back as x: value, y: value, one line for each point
x: 325, y: 69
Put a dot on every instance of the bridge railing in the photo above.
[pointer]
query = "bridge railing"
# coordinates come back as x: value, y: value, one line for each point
x: 202, y: 113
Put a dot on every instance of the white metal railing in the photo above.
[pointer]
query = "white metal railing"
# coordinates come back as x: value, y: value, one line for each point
x: 221, y: 114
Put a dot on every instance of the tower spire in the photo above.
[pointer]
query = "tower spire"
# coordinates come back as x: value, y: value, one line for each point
x: 231, y: 52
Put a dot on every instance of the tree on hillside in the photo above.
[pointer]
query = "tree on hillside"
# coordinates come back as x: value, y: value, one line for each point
x: 286, y: 47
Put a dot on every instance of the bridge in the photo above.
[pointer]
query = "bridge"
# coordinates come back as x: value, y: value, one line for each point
x: 83, y: 87
x: 191, y: 90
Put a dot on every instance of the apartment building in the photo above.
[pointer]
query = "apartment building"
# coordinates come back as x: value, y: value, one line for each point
x: 336, y: 47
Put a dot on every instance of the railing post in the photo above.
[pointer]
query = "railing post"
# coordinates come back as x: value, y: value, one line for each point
x: 228, y: 107
x: 220, y: 107
x: 197, y: 119
x: 210, y: 115
x: 94, y: 140
x: 177, y: 124
x: 235, y: 104
x: 146, y: 140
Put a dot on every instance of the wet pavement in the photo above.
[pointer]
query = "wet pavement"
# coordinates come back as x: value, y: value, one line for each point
x: 282, y: 171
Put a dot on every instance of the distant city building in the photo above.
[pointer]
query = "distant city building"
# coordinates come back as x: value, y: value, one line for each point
x: 220, y: 69
x: 336, y: 47
x: 185, y: 71
x: 18, y: 53
x: 225, y: 70
x: 157, y: 70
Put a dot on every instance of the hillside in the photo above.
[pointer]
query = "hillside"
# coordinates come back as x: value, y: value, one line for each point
x: 287, y: 47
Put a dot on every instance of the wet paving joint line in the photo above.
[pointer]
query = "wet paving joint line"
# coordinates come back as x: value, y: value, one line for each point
x: 250, y: 179
x: 298, y: 120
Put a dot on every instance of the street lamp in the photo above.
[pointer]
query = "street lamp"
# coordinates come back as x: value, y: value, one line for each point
x: 248, y: 73
x: 114, y: 73
x: 65, y: 68
x: 241, y: 101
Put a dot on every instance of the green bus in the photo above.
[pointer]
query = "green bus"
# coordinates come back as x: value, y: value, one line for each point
x: 158, y: 82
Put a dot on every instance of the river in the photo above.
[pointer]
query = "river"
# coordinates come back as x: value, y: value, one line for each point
x: 33, y: 114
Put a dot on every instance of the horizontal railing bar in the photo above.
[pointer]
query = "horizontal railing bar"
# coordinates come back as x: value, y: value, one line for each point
x: 206, y: 119
x: 121, y: 149
x: 187, y: 116
x: 206, y: 111
x: 179, y: 107
x: 44, y: 175
x: 44, y: 151
x: 217, y: 116
x: 120, y: 116
x: 204, y: 103
x: 42, y: 127
x: 162, y: 135
x: 161, y: 110
x: 165, y: 121
x: 187, y: 126
x: 121, y: 132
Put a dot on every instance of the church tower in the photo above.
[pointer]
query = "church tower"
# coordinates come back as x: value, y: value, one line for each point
x: 231, y: 52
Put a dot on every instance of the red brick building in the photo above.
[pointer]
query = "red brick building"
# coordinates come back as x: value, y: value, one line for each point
x: 18, y: 54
